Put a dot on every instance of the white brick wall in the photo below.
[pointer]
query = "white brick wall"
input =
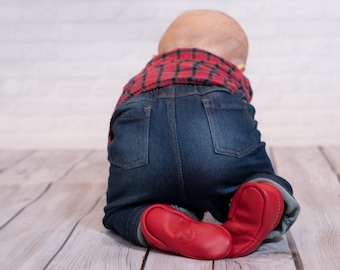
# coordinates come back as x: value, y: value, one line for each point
x: 63, y: 65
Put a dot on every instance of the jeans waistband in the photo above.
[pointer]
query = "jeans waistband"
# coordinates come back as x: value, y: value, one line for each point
x: 176, y: 91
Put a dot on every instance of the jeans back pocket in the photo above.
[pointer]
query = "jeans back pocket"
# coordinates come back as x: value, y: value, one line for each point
x: 129, y: 147
x: 232, y: 127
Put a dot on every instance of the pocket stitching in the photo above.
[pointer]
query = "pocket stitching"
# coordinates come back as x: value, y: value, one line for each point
x: 141, y: 159
x: 218, y: 148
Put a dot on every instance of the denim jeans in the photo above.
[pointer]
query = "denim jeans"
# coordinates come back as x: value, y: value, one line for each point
x: 184, y: 145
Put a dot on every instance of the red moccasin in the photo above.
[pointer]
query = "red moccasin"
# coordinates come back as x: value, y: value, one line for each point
x: 170, y: 230
x: 255, y: 211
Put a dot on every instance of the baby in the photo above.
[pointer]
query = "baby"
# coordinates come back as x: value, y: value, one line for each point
x: 183, y: 141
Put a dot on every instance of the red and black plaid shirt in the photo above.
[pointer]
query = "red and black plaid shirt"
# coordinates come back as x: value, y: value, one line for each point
x: 187, y: 66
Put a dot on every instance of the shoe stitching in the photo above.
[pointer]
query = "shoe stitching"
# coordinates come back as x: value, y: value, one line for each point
x: 277, y: 213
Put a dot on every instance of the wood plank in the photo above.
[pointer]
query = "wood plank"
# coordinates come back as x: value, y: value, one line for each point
x: 274, y: 255
x: 9, y: 158
x: 30, y: 176
x: 289, y: 237
x: 165, y: 261
x: 96, y: 167
x: 62, y: 229
x: 317, y: 231
x: 14, y: 197
x: 270, y: 255
x: 43, y: 166
x: 333, y: 156
x: 92, y: 247
x: 41, y: 229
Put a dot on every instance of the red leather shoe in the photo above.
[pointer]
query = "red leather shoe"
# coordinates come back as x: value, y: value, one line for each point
x: 168, y: 229
x: 255, y: 211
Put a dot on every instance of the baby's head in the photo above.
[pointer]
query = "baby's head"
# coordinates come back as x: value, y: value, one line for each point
x: 210, y: 30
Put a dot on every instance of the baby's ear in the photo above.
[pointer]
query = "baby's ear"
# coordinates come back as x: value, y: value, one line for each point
x: 241, y: 67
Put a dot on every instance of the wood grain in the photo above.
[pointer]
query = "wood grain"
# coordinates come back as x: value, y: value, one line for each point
x: 333, y: 156
x: 90, y: 246
x: 9, y: 158
x: 35, y: 235
x: 54, y: 203
x: 29, y: 176
x: 317, y: 231
x: 43, y: 166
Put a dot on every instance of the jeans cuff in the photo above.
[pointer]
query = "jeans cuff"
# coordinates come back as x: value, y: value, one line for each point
x: 292, y: 209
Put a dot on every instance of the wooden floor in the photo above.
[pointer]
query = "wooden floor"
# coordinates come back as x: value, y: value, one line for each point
x: 51, y: 206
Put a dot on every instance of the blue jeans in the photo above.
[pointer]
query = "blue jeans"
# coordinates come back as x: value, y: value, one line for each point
x: 185, y: 145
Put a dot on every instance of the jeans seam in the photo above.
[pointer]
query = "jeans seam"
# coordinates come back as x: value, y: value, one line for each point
x: 175, y: 152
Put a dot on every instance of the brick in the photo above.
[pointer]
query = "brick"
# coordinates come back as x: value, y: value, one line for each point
x: 15, y: 69
x: 11, y: 51
x: 41, y: 32
x: 46, y: 107
x: 58, y: 70
x: 278, y: 47
x: 42, y: 88
x: 102, y: 31
x: 309, y: 28
x: 112, y: 11
x: 42, y: 12
x: 312, y: 101
x: 107, y: 88
x: 74, y: 89
x: 39, y: 51
x: 74, y: 12
x: 83, y: 124
x: 103, y: 51
x: 320, y: 118
x: 7, y: 104
x: 63, y: 65
x: 13, y: 88
x: 124, y: 71
x: 4, y: 33
x: 89, y: 106
x: 10, y: 13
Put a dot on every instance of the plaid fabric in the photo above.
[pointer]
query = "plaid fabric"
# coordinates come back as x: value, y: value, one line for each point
x: 187, y: 66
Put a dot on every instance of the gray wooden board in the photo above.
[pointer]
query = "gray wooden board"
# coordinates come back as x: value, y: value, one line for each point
x: 317, y: 231
x: 92, y: 247
x: 28, y: 174
x: 53, y: 205
x: 36, y: 234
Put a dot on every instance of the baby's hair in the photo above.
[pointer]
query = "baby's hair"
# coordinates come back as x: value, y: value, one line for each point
x: 209, y: 30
